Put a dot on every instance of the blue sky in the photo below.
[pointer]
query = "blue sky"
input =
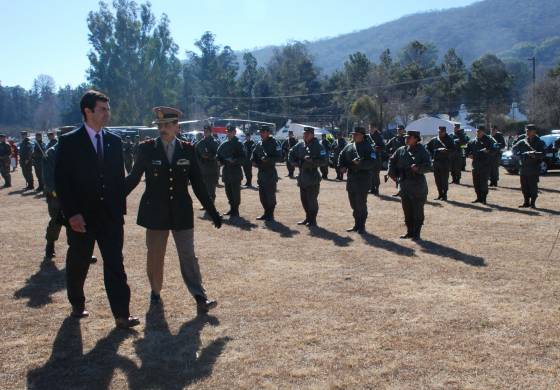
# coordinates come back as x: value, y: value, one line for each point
x: 50, y: 36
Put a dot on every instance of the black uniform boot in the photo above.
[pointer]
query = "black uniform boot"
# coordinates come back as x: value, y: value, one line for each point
x: 49, y: 250
x: 533, y: 203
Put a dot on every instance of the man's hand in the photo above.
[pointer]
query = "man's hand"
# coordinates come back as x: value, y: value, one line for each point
x: 217, y: 220
x: 414, y: 168
x: 77, y: 223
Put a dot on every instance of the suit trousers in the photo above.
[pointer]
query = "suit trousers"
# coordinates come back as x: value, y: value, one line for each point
x: 156, y: 242
x: 80, y: 248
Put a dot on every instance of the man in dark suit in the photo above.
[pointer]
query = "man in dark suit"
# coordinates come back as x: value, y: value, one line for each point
x: 89, y: 181
x: 169, y: 165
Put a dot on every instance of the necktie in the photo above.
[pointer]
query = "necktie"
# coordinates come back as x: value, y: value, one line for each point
x: 169, y: 152
x: 99, y: 148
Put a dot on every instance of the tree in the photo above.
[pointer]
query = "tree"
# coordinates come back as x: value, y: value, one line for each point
x: 365, y: 110
x: 46, y: 113
x: 488, y: 89
x: 545, y: 96
x: 450, y: 88
x: 132, y: 59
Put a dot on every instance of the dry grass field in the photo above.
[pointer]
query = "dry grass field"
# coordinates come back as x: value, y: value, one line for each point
x: 476, y: 305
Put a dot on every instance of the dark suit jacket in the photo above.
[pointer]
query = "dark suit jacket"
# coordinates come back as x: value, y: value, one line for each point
x: 166, y: 203
x: 83, y: 187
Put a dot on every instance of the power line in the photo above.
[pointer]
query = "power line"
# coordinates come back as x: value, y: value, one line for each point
x: 341, y: 92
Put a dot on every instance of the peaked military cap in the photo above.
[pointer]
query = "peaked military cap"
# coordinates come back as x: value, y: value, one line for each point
x: 264, y: 128
x: 308, y: 129
x: 166, y: 114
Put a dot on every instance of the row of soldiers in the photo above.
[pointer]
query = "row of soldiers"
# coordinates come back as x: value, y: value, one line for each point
x: 360, y: 160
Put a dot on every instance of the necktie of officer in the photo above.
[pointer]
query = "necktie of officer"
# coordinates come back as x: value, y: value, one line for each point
x: 169, y: 152
x: 99, y: 149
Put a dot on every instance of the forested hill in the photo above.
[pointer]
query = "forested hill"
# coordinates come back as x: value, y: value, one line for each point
x: 512, y: 29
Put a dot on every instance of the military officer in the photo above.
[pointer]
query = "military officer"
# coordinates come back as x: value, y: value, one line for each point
x: 339, y: 144
x: 308, y: 155
x: 441, y: 149
x: 37, y: 158
x: 327, y: 147
x: 407, y: 166
x: 358, y: 160
x: 495, y: 171
x: 128, y: 154
x: 231, y: 156
x: 206, y: 152
x: 481, y: 150
x: 248, y: 146
x: 169, y: 165
x: 531, y: 151
x: 25, y: 159
x: 460, y: 139
x: 5, y: 153
x: 266, y: 154
x: 289, y: 143
x: 378, y: 143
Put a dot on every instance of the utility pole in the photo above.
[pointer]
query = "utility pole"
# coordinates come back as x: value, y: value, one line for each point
x: 534, y: 61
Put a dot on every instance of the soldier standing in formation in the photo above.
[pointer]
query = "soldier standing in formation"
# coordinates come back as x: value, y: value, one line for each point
x: 265, y: 156
x: 375, y: 139
x: 170, y: 165
x: 248, y: 146
x: 308, y: 155
x: 460, y: 139
x: 392, y: 146
x: 327, y: 148
x: 5, y: 153
x: 531, y: 152
x: 289, y: 143
x: 52, y: 140
x: 37, y: 157
x: 207, y: 152
x: 25, y: 159
x: 338, y: 146
x: 231, y: 156
x: 128, y: 154
x: 497, y: 157
x: 407, y: 166
x: 358, y: 159
x: 441, y: 148
x: 481, y: 150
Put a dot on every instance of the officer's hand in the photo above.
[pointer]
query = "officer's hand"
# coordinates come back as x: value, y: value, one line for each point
x: 414, y: 168
x: 77, y: 223
x: 356, y: 161
x: 217, y: 220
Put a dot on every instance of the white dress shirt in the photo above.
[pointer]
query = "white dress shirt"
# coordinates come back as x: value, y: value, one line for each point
x: 92, y: 134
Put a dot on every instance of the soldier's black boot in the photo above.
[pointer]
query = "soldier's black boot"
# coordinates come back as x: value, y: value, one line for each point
x: 416, y: 234
x: 353, y: 228
x: 203, y: 305
x: 49, y: 250
x: 234, y: 213
x: 304, y: 222
x: 526, y: 203
x: 444, y: 196
x: 533, y: 203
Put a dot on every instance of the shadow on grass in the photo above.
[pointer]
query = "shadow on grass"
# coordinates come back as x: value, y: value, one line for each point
x: 44, y: 283
x: 444, y: 251
x: 69, y: 368
x: 240, y: 222
x: 511, y: 209
x: 324, y: 234
x: 390, y: 198
x: 541, y: 189
x: 469, y: 206
x: 280, y: 228
x: 174, y: 361
x: 387, y: 245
